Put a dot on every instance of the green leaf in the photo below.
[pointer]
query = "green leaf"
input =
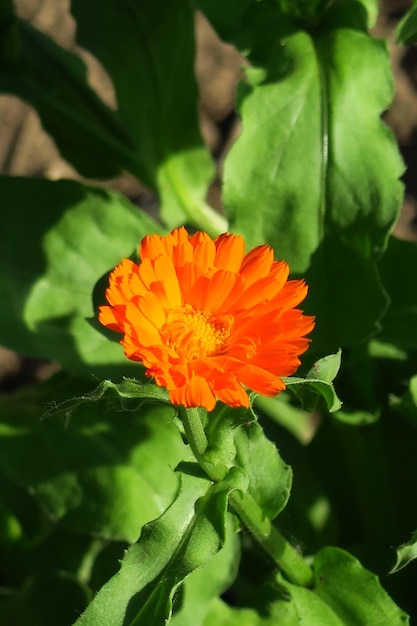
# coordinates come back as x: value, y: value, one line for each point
x: 406, y: 554
x: 270, y: 478
x: 209, y: 581
x: 151, y: 63
x: 318, y: 384
x: 87, y: 133
x: 224, y: 615
x: 184, y: 538
x: 352, y: 593
x: 372, y: 8
x: 407, y: 27
x: 72, y: 236
x: 399, y: 326
x: 357, y: 418
x: 237, y: 440
x: 327, y: 368
x: 131, y: 393
x: 345, y: 594
x: 332, y: 217
x: 107, y: 473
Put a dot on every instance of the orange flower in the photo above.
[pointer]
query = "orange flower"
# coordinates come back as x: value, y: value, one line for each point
x: 206, y: 319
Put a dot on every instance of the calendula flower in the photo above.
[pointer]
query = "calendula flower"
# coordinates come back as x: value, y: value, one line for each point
x: 207, y: 320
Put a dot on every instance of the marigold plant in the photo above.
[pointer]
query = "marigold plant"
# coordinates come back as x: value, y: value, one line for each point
x: 206, y: 495
x: 208, y: 320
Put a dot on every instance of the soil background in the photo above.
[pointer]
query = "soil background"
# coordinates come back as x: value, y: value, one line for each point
x: 26, y: 150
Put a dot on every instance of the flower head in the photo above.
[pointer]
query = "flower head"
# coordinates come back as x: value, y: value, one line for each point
x: 206, y: 319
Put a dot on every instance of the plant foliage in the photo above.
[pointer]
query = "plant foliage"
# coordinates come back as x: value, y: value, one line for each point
x: 108, y: 515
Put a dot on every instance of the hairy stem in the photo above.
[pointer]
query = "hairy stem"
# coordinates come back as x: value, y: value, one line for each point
x: 247, y: 509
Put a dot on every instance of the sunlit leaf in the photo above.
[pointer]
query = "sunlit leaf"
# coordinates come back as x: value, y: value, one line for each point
x: 185, y: 537
x: 314, y: 171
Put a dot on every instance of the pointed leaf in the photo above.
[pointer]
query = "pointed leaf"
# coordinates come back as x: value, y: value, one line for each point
x: 185, y: 537
x: 318, y: 384
x: 131, y: 393
x: 209, y: 581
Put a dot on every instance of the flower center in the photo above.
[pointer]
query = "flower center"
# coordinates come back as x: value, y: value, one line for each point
x: 195, y: 334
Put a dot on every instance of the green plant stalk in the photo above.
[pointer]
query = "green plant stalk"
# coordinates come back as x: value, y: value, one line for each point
x: 271, y: 540
x: 247, y: 509
x: 198, y: 442
x: 199, y: 213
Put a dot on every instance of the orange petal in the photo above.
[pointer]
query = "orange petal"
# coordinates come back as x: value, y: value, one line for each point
x: 259, y: 380
x: 204, y: 250
x: 152, y: 246
x: 231, y: 393
x: 166, y: 274
x: 151, y: 308
x: 229, y: 252
x: 196, y: 393
x: 210, y: 293
x: 108, y: 317
x: 257, y: 263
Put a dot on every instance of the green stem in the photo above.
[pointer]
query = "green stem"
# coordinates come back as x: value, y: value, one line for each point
x: 198, y: 212
x: 197, y: 440
x: 271, y: 540
x: 248, y: 510
x: 195, y: 432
